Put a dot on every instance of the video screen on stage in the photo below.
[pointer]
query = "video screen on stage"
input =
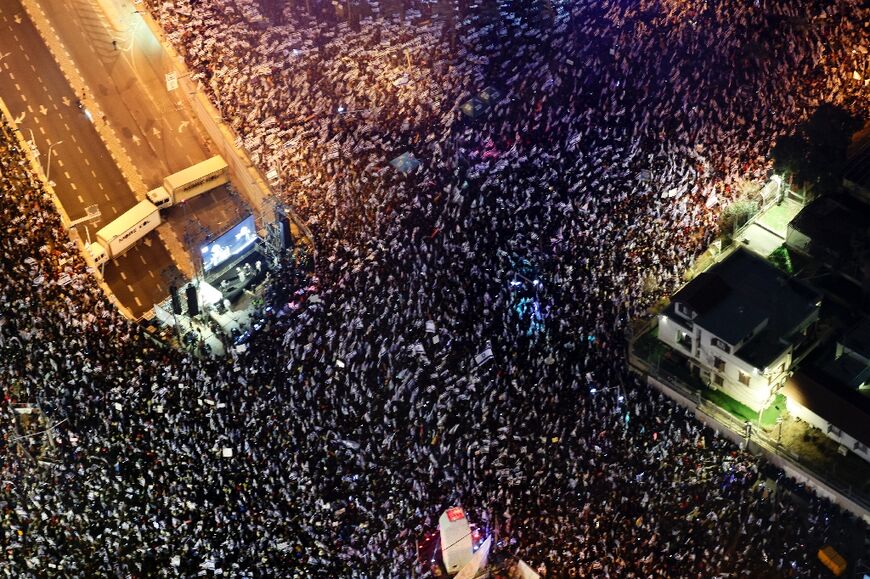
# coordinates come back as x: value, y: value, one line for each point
x: 234, y: 242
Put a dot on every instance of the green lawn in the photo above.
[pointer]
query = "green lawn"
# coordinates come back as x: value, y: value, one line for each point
x: 791, y: 262
x: 779, y: 215
x: 743, y: 412
x: 781, y: 258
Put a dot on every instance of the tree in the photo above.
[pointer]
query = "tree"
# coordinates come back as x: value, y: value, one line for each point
x: 815, y: 155
x: 789, y: 154
x: 735, y: 215
x: 828, y: 133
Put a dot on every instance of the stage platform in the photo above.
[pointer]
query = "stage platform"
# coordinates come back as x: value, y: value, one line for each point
x: 234, y: 277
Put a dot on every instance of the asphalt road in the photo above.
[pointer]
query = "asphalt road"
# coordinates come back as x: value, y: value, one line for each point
x: 124, y: 68
x: 83, y: 172
x: 128, y: 80
x: 122, y: 81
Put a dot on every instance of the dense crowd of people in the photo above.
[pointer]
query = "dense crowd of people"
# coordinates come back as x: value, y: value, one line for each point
x: 465, y: 346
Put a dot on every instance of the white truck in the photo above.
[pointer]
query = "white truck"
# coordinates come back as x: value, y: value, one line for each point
x: 457, y: 548
x: 122, y: 233
x: 190, y: 182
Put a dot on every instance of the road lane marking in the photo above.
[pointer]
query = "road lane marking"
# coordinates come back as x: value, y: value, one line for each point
x: 81, y: 200
x: 11, y: 75
x: 73, y: 185
x: 30, y: 109
x: 67, y: 127
x: 106, y: 195
x: 60, y: 162
x: 100, y: 185
x: 66, y: 174
x: 151, y: 273
x: 88, y: 163
x: 123, y: 276
x: 17, y: 87
x: 129, y: 287
x: 138, y: 302
x: 94, y: 174
x: 41, y: 129
x: 143, y: 259
x: 80, y: 150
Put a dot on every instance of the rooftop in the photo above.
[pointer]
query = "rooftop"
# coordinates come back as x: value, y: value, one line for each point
x: 837, y: 229
x: 858, y: 338
x: 831, y: 400
x: 744, y: 295
x: 845, y: 360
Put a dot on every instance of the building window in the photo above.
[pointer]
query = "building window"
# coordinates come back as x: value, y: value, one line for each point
x: 685, y: 340
x: 721, y: 345
x: 718, y: 380
x: 684, y: 310
x: 719, y: 363
x: 743, y: 377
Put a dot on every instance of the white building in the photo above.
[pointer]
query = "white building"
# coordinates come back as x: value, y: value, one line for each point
x: 741, y: 325
x: 831, y: 391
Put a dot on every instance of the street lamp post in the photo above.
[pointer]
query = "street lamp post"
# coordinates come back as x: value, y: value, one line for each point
x: 48, y: 161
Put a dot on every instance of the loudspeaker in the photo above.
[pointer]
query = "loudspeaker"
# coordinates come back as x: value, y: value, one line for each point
x: 286, y: 233
x: 176, y: 302
x: 192, y: 304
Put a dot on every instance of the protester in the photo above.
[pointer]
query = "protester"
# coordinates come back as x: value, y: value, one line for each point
x: 461, y: 338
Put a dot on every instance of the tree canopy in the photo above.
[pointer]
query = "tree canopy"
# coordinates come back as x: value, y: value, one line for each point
x: 815, y: 154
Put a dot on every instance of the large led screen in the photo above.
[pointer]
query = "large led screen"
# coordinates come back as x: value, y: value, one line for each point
x: 235, y: 241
